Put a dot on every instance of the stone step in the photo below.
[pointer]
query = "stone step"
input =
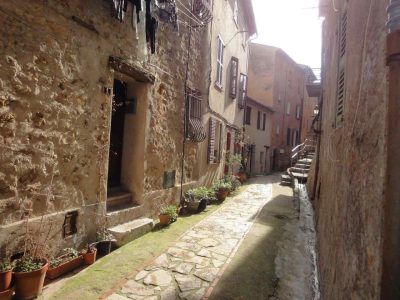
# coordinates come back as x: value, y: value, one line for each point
x: 302, y: 166
x: 117, y: 197
x: 300, y: 175
x: 299, y: 170
x: 130, y: 231
x: 123, y: 213
x: 286, y: 183
x: 305, y: 161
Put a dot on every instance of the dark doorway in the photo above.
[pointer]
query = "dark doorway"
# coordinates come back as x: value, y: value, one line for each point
x: 117, y: 134
x: 228, y: 151
x: 275, y: 159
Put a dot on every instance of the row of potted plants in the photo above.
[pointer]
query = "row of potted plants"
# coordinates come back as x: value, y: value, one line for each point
x: 28, y: 272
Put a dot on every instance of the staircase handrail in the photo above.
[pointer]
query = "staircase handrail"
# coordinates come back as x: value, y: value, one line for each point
x: 296, y: 151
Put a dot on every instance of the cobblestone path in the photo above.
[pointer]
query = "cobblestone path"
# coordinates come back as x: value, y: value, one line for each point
x: 192, y: 267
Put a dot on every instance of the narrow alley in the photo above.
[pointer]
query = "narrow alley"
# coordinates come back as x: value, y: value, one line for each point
x: 254, y: 246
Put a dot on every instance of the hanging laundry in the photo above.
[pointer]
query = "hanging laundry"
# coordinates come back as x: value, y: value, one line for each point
x: 120, y: 7
x: 151, y: 27
x: 167, y: 12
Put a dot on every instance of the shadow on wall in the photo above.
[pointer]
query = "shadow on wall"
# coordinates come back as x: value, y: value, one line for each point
x: 251, y: 274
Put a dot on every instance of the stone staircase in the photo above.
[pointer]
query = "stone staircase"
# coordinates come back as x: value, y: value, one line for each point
x: 302, y: 157
x: 125, y: 219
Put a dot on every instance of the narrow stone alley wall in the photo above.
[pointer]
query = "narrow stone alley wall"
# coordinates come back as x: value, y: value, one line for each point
x: 350, y: 185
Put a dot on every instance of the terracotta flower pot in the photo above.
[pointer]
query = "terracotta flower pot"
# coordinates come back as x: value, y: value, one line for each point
x: 53, y: 273
x: 29, y: 285
x: 7, y: 294
x: 164, y: 219
x: 242, y: 177
x: 5, y: 280
x: 222, y: 194
x: 90, y: 257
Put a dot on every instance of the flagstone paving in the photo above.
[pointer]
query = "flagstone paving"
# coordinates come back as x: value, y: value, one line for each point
x: 190, y: 267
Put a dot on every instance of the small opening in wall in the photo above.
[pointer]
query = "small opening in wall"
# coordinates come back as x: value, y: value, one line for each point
x: 70, y: 221
x: 169, y: 179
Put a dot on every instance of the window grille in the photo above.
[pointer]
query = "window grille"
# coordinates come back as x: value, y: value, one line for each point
x: 194, y: 127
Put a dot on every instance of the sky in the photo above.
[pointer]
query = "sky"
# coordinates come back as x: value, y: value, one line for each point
x: 292, y: 25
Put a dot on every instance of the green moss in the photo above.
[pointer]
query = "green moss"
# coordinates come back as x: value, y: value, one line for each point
x: 129, y: 259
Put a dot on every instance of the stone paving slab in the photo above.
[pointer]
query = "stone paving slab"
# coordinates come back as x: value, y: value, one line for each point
x: 188, y: 269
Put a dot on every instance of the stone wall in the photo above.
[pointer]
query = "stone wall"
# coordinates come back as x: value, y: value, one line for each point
x: 350, y: 188
x: 55, y: 116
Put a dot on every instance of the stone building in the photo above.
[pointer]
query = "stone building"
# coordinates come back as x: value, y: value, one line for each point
x: 258, y: 129
x: 277, y: 81
x: 99, y: 123
x: 310, y: 103
x: 354, y: 182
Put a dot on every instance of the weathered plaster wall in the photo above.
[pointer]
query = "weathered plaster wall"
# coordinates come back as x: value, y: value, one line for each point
x: 55, y: 118
x: 350, y: 193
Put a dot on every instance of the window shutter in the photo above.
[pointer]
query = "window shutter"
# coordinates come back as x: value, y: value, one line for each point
x: 248, y: 115
x: 341, y: 82
x: 233, y: 77
x: 242, y: 91
x: 258, y: 120
x: 264, y: 120
x: 211, y: 140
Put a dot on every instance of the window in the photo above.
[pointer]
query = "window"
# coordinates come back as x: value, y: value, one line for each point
x: 258, y: 119
x: 247, y: 119
x: 220, y: 62
x: 278, y: 129
x: 341, y: 81
x: 70, y: 223
x: 288, y: 107
x: 288, y: 137
x: 264, y: 121
x: 298, y: 111
x: 194, y: 129
x: 233, y: 77
x: 242, y: 90
x: 214, y: 141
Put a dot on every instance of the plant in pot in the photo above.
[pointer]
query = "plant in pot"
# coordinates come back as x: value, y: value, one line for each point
x: 196, y: 199
x: 222, y: 189
x: 89, y: 254
x: 6, y: 290
x: 30, y: 267
x: 233, y: 181
x: 105, y: 241
x: 68, y: 260
x: 168, y: 215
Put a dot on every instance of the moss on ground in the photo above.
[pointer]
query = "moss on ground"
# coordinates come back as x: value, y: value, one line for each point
x: 102, y: 276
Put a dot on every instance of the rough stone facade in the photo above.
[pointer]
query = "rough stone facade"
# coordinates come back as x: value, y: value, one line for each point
x: 350, y: 184
x: 55, y: 114
x: 277, y: 81
x: 59, y: 60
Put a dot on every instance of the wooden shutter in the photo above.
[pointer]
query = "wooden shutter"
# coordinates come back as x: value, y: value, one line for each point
x: 211, y: 140
x: 264, y: 120
x: 247, y: 119
x: 233, y: 77
x: 242, y: 91
x: 341, y: 82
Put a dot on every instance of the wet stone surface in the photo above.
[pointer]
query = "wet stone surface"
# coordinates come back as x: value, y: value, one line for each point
x: 189, y: 267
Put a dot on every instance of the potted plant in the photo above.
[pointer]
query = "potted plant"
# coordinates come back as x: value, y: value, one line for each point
x: 5, y: 274
x: 68, y: 260
x: 29, y: 273
x: 105, y: 242
x: 196, y: 199
x: 222, y: 189
x: 168, y: 215
x: 233, y: 181
x: 89, y: 254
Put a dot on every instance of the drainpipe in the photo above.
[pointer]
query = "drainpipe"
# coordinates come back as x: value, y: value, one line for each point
x: 390, y: 288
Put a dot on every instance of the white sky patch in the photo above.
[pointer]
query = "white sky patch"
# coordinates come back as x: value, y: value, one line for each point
x: 292, y: 25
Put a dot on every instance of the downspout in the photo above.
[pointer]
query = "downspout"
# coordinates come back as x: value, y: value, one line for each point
x: 390, y: 288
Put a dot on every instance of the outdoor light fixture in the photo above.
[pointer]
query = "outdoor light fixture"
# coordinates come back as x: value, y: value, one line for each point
x: 316, y: 110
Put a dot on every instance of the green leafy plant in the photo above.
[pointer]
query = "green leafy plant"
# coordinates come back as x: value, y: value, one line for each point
x: 103, y: 235
x: 5, y: 265
x: 28, y: 264
x: 66, y: 255
x: 89, y: 249
x: 199, y: 193
x: 221, y: 184
x: 233, y: 180
x: 170, y: 211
